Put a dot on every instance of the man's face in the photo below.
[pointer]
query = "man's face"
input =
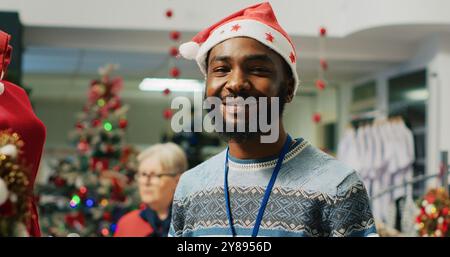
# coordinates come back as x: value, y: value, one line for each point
x: 243, y: 67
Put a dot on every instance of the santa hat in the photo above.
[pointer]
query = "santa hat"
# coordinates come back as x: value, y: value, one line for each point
x: 257, y: 22
x: 5, y: 57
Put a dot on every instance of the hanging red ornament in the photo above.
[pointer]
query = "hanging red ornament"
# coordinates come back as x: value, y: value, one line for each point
x: 316, y: 117
x: 175, y: 72
x: 169, y: 13
x: 175, y: 35
x: 167, y: 113
x: 323, y: 64
x: 173, y: 51
x: 320, y: 84
x: 123, y: 123
x: 323, y: 31
x: 166, y: 91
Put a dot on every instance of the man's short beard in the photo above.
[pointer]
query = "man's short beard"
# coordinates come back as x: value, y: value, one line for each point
x: 241, y: 137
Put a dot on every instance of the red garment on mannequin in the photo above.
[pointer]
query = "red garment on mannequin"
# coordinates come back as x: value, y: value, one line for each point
x: 17, y: 114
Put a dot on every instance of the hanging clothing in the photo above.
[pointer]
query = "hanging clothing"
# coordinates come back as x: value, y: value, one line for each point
x: 385, y: 154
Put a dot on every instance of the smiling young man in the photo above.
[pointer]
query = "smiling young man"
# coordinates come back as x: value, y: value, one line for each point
x: 284, y: 187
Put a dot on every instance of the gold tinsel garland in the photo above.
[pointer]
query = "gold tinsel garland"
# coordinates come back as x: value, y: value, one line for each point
x: 14, y: 211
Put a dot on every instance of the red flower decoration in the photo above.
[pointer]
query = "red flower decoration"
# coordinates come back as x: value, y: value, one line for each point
x: 317, y: 117
x: 175, y: 72
x: 166, y: 91
x: 167, y: 113
x: 173, y: 51
x: 169, y: 13
x: 320, y: 84
x: 175, y: 35
x: 324, y: 64
x: 323, y: 31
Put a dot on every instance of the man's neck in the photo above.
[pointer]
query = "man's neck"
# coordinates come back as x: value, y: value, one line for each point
x: 254, y: 149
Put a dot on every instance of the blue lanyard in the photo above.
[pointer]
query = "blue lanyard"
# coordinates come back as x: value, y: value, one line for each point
x: 266, y: 194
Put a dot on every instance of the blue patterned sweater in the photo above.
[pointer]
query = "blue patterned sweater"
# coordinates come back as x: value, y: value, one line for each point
x: 314, y: 195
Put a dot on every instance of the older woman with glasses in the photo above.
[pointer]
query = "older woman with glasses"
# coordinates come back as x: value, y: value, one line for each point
x: 160, y: 168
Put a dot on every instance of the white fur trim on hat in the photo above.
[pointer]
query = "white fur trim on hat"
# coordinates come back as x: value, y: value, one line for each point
x: 2, y: 88
x: 189, y: 50
x: 252, y: 29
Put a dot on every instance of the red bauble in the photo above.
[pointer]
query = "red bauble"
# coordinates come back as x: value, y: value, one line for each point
x: 316, y: 117
x: 123, y: 123
x: 59, y: 182
x: 324, y: 64
x: 174, y: 72
x: 79, y: 125
x: 320, y: 84
x: 96, y: 123
x: 173, y: 51
x: 83, y: 146
x: 175, y: 35
x: 444, y: 211
x: 167, y: 113
x: 166, y: 91
x: 169, y: 13
x: 107, y: 216
x: 82, y: 192
x: 6, y: 209
x: 323, y: 31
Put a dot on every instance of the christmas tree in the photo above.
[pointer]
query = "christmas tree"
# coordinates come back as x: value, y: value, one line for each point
x: 89, y: 192
x: 434, y: 217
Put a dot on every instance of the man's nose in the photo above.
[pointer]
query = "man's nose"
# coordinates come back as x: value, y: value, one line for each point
x: 238, y: 81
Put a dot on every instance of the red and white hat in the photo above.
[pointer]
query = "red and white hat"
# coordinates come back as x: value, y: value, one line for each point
x: 5, y: 57
x: 257, y: 22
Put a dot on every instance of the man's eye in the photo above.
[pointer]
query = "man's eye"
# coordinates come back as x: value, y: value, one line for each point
x: 260, y: 70
x: 221, y: 69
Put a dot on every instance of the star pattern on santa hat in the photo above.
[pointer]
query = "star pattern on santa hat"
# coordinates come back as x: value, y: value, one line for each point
x: 292, y: 57
x: 269, y: 37
x: 235, y: 27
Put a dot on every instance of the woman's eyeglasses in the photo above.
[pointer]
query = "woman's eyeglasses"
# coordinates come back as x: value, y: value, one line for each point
x: 148, y: 176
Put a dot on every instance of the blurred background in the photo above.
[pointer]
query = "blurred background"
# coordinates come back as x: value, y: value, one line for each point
x: 366, y: 69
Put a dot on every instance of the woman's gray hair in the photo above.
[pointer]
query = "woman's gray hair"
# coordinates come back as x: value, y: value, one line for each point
x: 170, y: 155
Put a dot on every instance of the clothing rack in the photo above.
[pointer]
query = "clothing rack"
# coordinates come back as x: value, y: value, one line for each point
x: 443, y: 174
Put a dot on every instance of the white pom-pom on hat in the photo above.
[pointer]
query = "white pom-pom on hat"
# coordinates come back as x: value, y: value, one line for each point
x: 10, y: 150
x: 189, y: 50
x: 3, y: 191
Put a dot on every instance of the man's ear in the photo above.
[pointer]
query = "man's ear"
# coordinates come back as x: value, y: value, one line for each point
x: 290, y: 86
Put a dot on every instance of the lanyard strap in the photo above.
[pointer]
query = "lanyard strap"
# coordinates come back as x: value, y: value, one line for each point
x: 266, y: 193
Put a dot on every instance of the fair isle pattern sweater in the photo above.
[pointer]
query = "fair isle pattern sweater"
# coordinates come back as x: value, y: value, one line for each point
x: 314, y: 195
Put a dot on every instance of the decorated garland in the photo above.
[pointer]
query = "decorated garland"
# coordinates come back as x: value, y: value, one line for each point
x: 14, y: 186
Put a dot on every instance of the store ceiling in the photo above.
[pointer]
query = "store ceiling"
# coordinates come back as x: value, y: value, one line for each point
x: 140, y: 54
